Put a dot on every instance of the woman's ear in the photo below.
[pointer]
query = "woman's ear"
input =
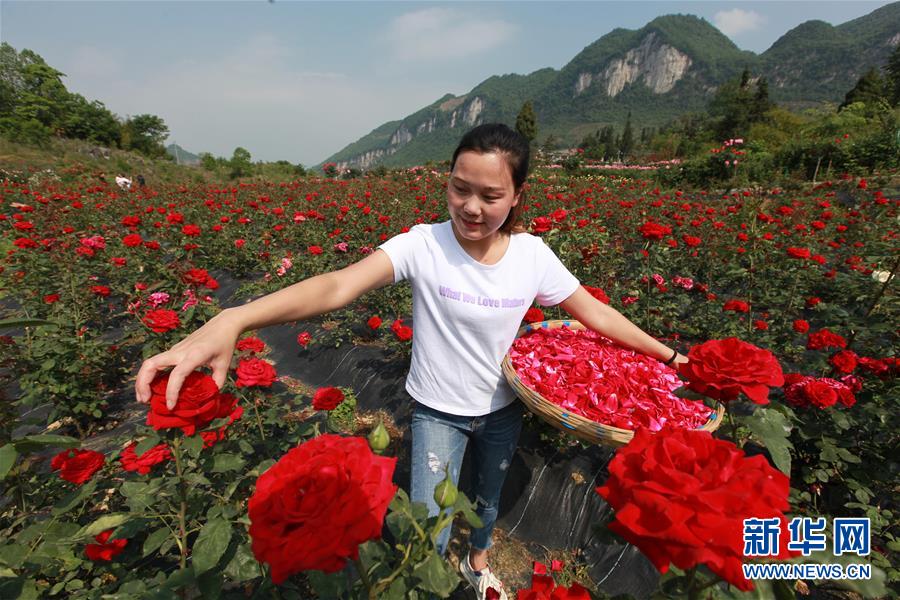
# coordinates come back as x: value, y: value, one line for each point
x: 517, y: 197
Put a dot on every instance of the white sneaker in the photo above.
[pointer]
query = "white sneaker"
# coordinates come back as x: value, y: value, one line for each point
x: 482, y: 581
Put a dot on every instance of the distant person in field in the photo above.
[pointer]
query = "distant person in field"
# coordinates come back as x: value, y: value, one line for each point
x: 460, y: 393
x: 123, y: 182
x: 140, y: 181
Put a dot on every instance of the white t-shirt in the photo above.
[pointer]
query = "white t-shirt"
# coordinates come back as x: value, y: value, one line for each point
x: 466, y: 314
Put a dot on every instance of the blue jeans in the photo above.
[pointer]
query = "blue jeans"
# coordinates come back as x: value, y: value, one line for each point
x: 439, y: 438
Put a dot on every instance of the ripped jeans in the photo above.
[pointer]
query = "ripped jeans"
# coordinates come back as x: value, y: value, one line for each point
x: 439, y: 438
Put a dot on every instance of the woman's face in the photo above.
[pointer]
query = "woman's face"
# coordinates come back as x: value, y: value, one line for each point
x: 480, y: 194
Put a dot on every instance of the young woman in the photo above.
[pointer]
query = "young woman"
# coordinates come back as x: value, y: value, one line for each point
x: 473, y: 277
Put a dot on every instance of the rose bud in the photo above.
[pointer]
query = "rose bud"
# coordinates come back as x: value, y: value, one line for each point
x: 445, y: 492
x: 379, y: 439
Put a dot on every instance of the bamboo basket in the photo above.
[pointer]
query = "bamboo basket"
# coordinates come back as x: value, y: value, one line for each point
x: 577, y: 425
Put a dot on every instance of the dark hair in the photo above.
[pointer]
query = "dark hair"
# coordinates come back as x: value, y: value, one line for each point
x: 497, y: 137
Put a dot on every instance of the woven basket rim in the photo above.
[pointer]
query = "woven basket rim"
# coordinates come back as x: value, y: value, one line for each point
x: 582, y: 427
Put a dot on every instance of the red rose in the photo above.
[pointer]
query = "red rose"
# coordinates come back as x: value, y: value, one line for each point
x: 798, y: 252
x: 845, y: 361
x: 691, y: 241
x: 51, y: 298
x: 254, y: 372
x: 654, y: 231
x: 190, y: 230
x: 162, y: 320
x: 132, y: 240
x: 760, y: 325
x: 327, y: 398
x: 736, y: 306
x: 303, y: 338
x: 252, y: 344
x: 682, y: 496
x: 100, y: 290
x: 374, y: 322
x: 403, y: 333
x: 541, y: 225
x: 543, y: 587
x: 105, y: 549
x: 801, y: 326
x: 821, y: 340
x: 804, y: 391
x: 533, y: 315
x: 199, y: 402
x: 143, y: 463
x: 77, y: 466
x: 722, y: 369
x: 316, y: 505
x: 195, y: 276
x: 315, y: 250
x: 597, y: 293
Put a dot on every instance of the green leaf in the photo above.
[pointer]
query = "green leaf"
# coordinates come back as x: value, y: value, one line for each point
x: 772, y: 429
x: 128, y: 530
x: 333, y: 585
x: 243, y: 566
x: 74, y: 498
x: 193, y: 445
x: 262, y: 467
x: 31, y: 443
x: 146, y: 443
x: 848, y: 456
x: 102, y: 524
x: 211, y: 545
x: 210, y: 584
x: 180, y: 579
x: 8, y: 455
x: 227, y: 462
x: 464, y: 505
x: 155, y: 540
x: 868, y: 588
x: 436, y: 575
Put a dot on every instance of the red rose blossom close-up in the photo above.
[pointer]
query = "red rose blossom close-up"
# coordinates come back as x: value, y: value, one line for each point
x: 313, y: 508
x: 77, y: 466
x: 682, y: 496
x: 724, y: 369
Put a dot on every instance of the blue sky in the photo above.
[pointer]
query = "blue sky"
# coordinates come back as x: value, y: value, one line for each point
x: 300, y: 80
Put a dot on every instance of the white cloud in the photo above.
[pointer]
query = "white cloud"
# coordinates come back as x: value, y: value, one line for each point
x: 260, y: 95
x: 737, y: 21
x: 444, y: 33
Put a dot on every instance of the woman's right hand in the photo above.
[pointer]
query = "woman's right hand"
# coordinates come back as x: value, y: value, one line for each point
x: 212, y: 345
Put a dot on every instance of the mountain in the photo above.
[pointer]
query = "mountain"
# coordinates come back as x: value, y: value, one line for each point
x: 182, y: 156
x: 817, y: 61
x: 672, y: 65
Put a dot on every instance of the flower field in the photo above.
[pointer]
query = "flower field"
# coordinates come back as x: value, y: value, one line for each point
x: 785, y: 301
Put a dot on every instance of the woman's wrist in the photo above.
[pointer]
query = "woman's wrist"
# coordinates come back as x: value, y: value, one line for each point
x: 670, y: 359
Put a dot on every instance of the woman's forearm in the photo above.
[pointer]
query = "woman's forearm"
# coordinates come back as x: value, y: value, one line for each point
x: 302, y: 300
x: 619, y: 329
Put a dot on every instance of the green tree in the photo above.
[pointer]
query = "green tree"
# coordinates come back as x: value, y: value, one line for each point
x: 626, y: 142
x: 90, y: 121
x: 870, y: 89
x: 146, y: 134
x: 892, y: 77
x: 526, y: 121
x: 208, y: 161
x: 240, y: 163
x: 549, y: 144
x: 761, y: 103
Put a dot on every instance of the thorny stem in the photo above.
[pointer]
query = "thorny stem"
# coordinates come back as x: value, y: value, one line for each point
x: 182, y: 529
